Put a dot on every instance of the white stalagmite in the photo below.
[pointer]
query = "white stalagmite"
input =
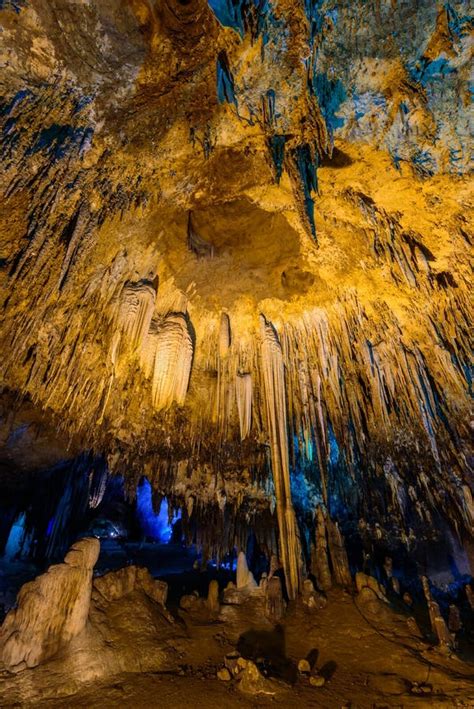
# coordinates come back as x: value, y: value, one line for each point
x: 275, y: 406
x: 137, y: 303
x: 245, y: 578
x: 173, y: 359
x: 243, y: 386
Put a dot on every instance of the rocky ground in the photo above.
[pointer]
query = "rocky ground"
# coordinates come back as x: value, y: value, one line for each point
x: 354, y: 650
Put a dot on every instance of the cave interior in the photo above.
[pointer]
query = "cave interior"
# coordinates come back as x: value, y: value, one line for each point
x: 236, y: 374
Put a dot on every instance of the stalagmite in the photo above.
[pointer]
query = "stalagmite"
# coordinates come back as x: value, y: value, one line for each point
x: 365, y: 583
x: 337, y: 550
x: 322, y: 570
x: 245, y: 577
x: 172, y: 364
x: 454, y: 619
x: 438, y: 624
x: 51, y: 610
x: 213, y: 598
x: 275, y: 406
x: 274, y: 603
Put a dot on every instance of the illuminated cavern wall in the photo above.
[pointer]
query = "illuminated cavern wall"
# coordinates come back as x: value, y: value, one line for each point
x: 234, y: 251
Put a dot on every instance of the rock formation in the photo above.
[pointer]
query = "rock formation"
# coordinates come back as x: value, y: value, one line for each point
x: 245, y: 577
x: 51, y: 610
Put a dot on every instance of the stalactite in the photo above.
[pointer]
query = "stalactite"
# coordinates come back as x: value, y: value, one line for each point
x: 275, y: 404
x: 173, y: 360
x: 224, y: 399
x: 149, y: 345
x: 224, y: 336
x: 97, y: 486
x: 197, y: 244
x: 243, y: 385
x: 137, y: 302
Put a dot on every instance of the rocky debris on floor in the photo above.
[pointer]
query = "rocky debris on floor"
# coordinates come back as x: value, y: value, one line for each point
x: 421, y: 689
x: 51, y: 610
x: 117, y: 584
x: 251, y: 681
x: 311, y: 598
x: 317, y: 681
x: 304, y: 668
x: 206, y: 609
x: 248, y: 677
x: 234, y: 662
x: 309, y: 673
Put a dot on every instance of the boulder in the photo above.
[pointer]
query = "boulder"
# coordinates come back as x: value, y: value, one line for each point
x: 364, y: 581
x: 231, y: 662
x: 304, y: 668
x: 190, y: 602
x: 253, y: 682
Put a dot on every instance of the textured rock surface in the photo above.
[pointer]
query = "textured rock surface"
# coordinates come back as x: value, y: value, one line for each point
x: 51, y: 610
x: 117, y: 584
x: 74, y: 631
x: 234, y: 258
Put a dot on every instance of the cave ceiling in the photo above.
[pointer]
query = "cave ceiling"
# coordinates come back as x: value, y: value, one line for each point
x: 235, y: 250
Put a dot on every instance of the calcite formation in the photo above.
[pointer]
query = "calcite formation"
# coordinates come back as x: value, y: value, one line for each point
x: 234, y: 258
x: 51, y: 610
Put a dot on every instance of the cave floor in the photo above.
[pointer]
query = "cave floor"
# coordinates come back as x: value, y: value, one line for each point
x: 368, y: 654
